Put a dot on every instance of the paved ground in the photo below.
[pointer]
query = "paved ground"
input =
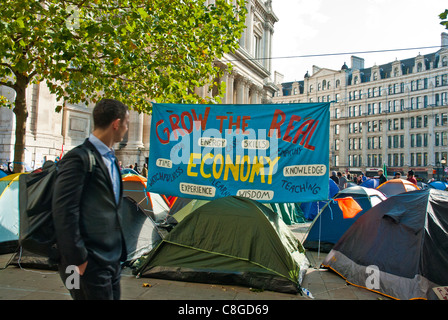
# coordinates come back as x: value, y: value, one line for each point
x: 29, y: 284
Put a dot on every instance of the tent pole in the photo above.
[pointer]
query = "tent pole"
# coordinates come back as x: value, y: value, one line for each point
x: 320, y: 225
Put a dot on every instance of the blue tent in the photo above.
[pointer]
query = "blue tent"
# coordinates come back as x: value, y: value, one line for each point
x: 330, y: 225
x: 310, y: 209
x: 371, y: 183
x: 440, y: 185
x: 128, y: 171
x: 9, y: 213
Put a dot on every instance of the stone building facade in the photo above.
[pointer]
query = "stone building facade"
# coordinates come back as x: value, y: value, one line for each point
x: 394, y: 114
x: 49, y: 133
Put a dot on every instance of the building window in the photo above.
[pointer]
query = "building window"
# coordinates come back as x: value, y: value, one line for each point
x: 418, y: 140
x: 444, y: 100
x: 336, y: 144
x: 419, y: 67
x: 418, y: 122
x: 336, y: 129
x: 444, y: 61
x: 257, y: 46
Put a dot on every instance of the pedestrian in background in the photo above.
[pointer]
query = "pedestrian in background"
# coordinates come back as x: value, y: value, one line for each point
x: 342, y: 181
x: 145, y: 170
x: 411, y: 178
x: 382, y: 178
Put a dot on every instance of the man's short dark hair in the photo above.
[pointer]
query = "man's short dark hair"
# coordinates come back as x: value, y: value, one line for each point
x: 108, y: 110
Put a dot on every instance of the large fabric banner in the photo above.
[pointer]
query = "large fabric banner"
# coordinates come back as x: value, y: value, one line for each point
x: 266, y: 152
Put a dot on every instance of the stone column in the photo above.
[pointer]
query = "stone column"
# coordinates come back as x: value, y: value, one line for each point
x: 135, y: 132
x: 246, y: 87
x: 228, y: 94
x: 239, y: 89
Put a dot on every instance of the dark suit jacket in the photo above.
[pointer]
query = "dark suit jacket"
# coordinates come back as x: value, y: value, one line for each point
x: 86, y: 216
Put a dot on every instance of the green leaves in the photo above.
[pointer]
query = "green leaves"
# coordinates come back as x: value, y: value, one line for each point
x: 443, y: 16
x: 135, y: 51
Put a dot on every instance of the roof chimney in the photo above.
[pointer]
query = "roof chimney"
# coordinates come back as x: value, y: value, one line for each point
x: 357, y: 63
x: 444, y: 43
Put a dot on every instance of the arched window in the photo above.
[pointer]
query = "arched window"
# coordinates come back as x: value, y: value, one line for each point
x: 396, y: 73
x: 419, y: 67
x: 444, y: 61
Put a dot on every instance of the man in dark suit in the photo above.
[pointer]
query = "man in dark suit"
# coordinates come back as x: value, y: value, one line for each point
x: 86, y: 208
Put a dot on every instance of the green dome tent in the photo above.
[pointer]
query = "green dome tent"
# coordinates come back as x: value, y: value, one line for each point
x: 230, y: 240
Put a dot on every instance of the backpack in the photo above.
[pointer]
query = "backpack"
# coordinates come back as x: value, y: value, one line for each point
x: 36, y: 232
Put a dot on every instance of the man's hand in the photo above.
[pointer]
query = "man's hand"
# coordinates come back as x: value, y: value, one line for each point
x: 81, y: 268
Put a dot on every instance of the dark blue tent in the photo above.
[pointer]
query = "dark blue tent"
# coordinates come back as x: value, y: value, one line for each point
x: 405, y: 239
x: 330, y: 225
x: 311, y: 209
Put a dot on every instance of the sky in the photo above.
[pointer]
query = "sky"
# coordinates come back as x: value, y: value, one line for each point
x: 316, y: 27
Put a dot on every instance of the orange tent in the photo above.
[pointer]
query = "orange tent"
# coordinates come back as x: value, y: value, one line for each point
x: 153, y: 204
x: 396, y: 186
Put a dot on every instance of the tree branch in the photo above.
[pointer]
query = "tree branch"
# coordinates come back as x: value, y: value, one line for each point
x: 6, y: 84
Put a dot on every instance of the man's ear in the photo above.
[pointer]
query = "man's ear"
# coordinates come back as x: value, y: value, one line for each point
x: 116, y: 124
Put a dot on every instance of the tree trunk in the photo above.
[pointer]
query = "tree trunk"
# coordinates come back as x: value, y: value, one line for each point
x: 21, y: 112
